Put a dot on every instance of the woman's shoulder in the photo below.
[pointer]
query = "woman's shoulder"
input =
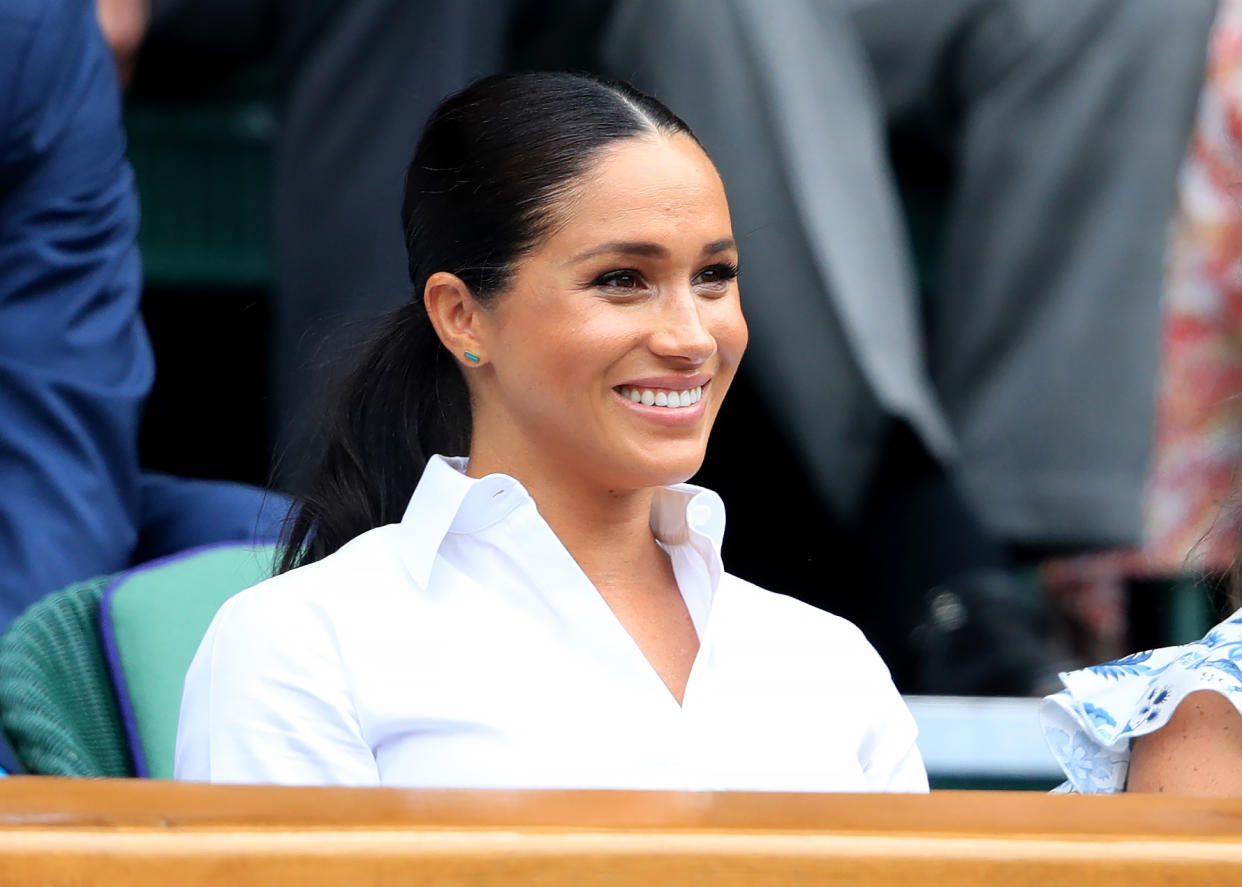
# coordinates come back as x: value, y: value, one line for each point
x: 361, y: 572
x: 1103, y: 708
x: 783, y: 617
x: 811, y: 654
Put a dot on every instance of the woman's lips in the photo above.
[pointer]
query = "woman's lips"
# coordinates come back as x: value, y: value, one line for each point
x: 656, y: 403
x: 668, y: 398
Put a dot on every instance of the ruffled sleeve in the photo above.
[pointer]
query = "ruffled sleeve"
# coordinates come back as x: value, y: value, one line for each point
x: 1090, y: 724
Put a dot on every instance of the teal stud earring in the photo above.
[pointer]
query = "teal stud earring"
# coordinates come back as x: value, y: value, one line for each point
x: 473, y: 357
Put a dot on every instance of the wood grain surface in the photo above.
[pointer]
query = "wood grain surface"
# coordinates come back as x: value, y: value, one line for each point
x: 77, y: 832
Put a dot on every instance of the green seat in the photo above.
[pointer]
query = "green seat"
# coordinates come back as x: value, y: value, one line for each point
x: 153, y: 618
x: 57, y: 703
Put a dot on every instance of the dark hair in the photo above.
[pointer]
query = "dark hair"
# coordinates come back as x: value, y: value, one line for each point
x: 491, y: 167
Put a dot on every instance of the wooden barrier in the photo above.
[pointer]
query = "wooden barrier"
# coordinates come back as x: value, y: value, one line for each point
x: 68, y: 832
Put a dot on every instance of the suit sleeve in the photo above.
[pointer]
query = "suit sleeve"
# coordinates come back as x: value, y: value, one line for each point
x: 75, y: 362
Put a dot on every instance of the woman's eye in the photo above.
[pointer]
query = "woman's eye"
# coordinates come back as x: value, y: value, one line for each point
x: 622, y: 280
x: 716, y: 275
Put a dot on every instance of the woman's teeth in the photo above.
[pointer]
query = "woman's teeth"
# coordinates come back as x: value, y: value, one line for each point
x: 663, y: 397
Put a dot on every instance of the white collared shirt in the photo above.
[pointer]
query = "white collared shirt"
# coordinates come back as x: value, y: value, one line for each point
x: 464, y: 647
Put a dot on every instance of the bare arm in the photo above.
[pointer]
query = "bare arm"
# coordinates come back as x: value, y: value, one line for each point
x: 124, y: 24
x: 1198, y: 752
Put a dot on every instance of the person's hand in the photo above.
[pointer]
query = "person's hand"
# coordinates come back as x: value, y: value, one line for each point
x: 124, y: 24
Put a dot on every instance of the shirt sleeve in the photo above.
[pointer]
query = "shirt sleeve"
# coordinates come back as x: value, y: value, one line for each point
x: 897, y: 765
x: 890, y: 754
x: 267, y: 700
x: 1090, y: 725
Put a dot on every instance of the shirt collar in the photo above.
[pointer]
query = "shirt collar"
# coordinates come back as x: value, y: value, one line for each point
x: 688, y: 514
x: 447, y: 500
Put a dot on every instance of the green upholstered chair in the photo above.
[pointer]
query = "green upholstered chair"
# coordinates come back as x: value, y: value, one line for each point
x: 57, y: 704
x: 91, y: 676
x: 153, y: 618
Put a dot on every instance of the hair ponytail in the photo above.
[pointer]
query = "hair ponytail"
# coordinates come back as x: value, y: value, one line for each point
x: 404, y: 401
x: 492, y: 166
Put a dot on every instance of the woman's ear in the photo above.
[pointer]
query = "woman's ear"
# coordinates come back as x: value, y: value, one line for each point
x: 456, y: 317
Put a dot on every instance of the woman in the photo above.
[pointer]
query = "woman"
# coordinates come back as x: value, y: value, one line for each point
x: 550, y: 611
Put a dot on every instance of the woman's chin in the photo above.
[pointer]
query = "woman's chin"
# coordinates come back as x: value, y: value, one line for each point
x: 665, y: 469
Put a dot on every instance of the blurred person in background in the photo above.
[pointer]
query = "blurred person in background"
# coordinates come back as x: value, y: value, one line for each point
x: 1188, y: 537
x: 355, y: 81
x: 75, y: 363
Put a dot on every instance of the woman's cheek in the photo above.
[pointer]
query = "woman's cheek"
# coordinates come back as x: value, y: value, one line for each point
x: 733, y: 335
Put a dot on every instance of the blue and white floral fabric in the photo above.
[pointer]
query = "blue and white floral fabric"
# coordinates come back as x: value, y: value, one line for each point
x: 1089, y: 725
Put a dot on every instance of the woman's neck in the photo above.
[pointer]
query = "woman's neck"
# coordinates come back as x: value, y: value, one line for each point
x: 608, y: 532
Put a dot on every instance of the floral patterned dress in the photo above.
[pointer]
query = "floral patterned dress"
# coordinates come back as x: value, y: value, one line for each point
x: 1198, y: 434
x: 1090, y: 724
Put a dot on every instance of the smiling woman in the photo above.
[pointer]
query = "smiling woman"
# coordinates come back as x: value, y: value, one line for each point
x: 498, y: 575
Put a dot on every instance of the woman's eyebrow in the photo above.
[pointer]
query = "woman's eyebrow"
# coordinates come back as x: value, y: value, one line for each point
x: 625, y: 248
x: 647, y: 249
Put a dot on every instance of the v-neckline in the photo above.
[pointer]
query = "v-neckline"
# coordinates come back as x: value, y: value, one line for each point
x: 594, y: 607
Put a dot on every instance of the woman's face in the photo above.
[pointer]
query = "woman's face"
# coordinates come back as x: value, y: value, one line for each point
x: 610, y: 354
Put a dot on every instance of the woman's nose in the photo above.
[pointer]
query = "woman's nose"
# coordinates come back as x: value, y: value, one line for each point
x: 681, y: 332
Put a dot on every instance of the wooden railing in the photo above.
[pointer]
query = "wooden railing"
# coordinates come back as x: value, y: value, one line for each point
x: 65, y: 832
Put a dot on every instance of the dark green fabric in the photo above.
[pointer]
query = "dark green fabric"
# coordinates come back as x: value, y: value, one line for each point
x: 57, y: 705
